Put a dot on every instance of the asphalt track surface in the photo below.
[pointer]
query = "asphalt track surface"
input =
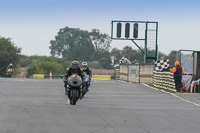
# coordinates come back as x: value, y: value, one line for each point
x: 39, y: 106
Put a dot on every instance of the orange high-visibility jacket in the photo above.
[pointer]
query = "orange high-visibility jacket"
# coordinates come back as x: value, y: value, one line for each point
x: 173, y: 70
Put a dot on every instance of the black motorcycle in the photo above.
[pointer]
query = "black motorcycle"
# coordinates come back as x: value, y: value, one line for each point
x: 74, y: 88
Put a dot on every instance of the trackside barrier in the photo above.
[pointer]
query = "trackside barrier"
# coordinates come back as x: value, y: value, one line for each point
x: 101, y: 77
x: 116, y: 74
x: 138, y: 73
x: 38, y: 76
x: 197, y: 84
x: 46, y: 76
x: 164, y: 80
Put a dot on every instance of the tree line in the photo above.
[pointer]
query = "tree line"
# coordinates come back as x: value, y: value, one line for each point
x: 8, y: 53
x: 72, y: 44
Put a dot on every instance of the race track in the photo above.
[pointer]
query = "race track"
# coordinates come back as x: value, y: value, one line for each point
x: 39, y: 106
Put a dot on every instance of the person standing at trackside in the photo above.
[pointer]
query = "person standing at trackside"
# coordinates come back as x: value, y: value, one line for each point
x: 178, y: 71
x: 124, y: 60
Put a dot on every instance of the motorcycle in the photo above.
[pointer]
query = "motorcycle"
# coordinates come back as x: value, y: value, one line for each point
x: 9, y: 72
x: 87, y: 83
x: 74, y: 88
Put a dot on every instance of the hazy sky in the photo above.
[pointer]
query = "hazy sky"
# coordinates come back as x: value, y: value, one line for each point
x: 33, y: 23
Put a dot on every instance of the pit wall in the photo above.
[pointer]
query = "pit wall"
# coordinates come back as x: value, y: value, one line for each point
x: 137, y: 73
x: 144, y: 73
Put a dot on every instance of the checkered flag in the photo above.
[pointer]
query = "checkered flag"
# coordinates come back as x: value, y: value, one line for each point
x: 161, y: 64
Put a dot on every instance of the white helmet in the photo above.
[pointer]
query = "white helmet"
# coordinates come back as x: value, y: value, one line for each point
x: 84, y: 65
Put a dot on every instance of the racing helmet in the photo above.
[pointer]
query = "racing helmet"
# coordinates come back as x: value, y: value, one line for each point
x: 75, y: 64
x: 84, y: 65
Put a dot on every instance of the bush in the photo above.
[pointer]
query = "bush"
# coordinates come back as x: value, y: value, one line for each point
x: 24, y: 60
x: 43, y: 65
x: 16, y: 71
x: 95, y: 64
x: 9, y: 53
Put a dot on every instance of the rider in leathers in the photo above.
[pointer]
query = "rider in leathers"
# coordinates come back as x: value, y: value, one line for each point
x: 86, y: 69
x: 10, y: 66
x: 88, y: 72
x: 74, y: 69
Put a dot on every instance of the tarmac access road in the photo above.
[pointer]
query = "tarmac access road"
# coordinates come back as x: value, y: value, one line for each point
x: 39, y: 106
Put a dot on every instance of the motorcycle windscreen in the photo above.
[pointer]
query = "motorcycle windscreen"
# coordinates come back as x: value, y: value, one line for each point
x: 74, y: 81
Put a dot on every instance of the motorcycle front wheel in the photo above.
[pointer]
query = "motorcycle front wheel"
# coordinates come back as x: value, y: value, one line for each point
x: 74, y: 98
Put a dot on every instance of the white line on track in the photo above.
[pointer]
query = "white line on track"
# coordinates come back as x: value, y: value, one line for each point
x: 174, y: 95
x: 122, y: 81
x: 196, y: 104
